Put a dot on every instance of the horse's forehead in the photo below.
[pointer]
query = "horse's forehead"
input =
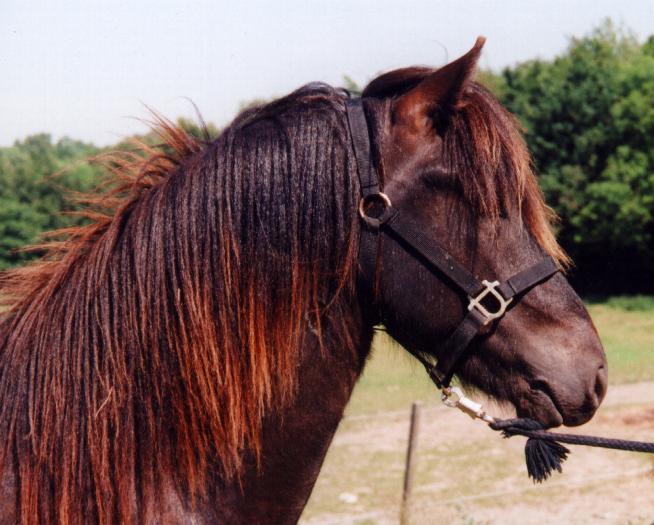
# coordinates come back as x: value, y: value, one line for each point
x: 406, y: 150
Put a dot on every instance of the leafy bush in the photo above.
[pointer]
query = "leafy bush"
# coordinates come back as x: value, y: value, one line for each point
x: 589, y: 121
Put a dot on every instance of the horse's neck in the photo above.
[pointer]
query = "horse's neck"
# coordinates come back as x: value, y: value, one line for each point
x: 296, y: 441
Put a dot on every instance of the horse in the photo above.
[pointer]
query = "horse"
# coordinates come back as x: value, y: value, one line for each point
x: 185, y: 356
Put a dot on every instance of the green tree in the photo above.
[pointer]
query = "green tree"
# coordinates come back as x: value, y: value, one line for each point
x: 37, y: 176
x: 33, y: 187
x: 589, y: 119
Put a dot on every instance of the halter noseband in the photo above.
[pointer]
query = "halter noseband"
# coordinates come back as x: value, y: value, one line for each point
x: 438, y: 260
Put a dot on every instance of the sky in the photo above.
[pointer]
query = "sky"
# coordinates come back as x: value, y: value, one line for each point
x: 87, y: 68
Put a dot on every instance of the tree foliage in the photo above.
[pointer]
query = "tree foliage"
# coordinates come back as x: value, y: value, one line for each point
x: 34, y: 177
x: 37, y: 177
x: 589, y: 122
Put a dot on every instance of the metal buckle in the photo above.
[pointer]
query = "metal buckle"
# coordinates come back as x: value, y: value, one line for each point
x: 453, y: 397
x: 380, y: 198
x: 490, y: 288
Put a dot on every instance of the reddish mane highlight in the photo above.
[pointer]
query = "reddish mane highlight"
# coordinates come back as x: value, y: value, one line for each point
x: 151, y: 343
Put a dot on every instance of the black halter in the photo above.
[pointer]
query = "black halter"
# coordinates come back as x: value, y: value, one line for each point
x: 439, y: 261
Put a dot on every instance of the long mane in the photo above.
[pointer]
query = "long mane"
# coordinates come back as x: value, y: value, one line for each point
x: 173, y: 320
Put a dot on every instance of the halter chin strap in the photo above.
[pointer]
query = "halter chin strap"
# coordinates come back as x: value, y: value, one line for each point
x: 488, y: 301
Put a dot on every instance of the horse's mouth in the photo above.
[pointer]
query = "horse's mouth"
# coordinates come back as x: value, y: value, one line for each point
x: 540, y: 403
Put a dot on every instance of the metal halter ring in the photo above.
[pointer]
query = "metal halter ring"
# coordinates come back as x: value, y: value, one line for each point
x: 375, y: 198
x: 490, y: 288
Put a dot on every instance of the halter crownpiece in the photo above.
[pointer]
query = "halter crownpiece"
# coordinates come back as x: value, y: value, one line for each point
x: 387, y: 219
x: 543, y: 450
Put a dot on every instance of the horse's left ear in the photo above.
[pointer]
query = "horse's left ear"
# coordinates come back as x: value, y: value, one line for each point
x: 440, y: 92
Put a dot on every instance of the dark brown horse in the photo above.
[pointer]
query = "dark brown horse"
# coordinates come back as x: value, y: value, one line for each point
x: 186, y: 357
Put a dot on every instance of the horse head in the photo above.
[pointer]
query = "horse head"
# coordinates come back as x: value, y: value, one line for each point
x: 456, y: 169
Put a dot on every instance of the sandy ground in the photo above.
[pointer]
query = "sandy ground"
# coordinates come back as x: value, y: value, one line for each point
x: 467, y: 475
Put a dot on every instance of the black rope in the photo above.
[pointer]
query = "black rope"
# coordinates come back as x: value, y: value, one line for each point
x: 544, y: 452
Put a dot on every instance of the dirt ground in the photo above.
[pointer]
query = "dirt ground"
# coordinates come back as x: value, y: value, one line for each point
x: 467, y: 475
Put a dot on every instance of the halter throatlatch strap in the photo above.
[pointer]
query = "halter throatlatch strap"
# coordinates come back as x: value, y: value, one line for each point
x: 488, y: 301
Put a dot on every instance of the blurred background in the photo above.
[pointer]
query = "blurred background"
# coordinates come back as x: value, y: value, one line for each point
x: 77, y: 75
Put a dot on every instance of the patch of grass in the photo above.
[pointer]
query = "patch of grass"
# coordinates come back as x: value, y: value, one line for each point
x: 629, y: 303
x: 352, y: 470
x: 626, y: 327
x: 391, y: 380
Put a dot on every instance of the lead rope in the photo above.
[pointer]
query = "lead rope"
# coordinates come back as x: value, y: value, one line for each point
x: 544, y: 452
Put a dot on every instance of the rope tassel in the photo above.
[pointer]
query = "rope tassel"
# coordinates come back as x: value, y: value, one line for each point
x: 543, y: 456
x: 544, y: 452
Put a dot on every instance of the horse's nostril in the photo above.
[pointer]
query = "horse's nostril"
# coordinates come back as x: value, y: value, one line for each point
x: 600, y: 383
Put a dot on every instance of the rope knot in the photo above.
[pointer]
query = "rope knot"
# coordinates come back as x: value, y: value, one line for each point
x: 511, y: 427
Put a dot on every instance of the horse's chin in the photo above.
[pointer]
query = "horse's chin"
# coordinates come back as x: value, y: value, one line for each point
x: 537, y: 404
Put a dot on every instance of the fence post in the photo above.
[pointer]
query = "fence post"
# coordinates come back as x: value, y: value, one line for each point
x: 405, y: 510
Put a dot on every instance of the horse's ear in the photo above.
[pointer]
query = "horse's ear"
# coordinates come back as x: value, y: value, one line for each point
x: 440, y: 92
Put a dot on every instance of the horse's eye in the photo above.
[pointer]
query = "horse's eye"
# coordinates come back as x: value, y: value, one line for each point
x: 437, y: 180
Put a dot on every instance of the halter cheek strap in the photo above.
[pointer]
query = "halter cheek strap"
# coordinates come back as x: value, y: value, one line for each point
x: 481, y: 294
